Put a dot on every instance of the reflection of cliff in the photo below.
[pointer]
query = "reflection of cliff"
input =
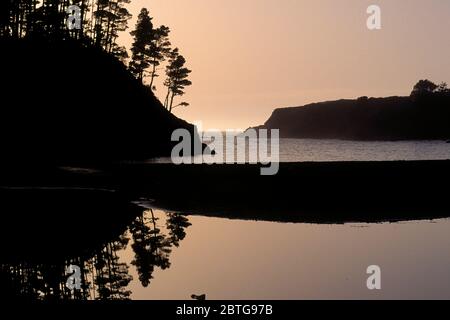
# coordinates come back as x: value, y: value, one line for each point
x: 105, y: 275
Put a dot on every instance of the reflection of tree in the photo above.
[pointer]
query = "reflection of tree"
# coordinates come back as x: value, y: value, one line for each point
x: 151, y: 248
x: 176, y: 224
x: 111, y: 276
x: 39, y: 281
x: 103, y: 275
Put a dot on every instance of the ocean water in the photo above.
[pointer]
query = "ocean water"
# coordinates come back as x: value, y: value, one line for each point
x: 294, y: 150
x: 315, y: 150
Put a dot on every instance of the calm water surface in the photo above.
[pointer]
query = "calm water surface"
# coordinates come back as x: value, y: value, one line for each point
x: 233, y: 259
x: 166, y: 255
x: 293, y: 150
x: 305, y: 150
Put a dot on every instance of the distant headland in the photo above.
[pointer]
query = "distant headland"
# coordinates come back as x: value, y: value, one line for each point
x: 424, y: 115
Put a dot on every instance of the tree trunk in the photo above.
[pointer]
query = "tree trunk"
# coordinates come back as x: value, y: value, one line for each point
x: 153, y: 74
x: 166, y: 101
x: 171, y: 102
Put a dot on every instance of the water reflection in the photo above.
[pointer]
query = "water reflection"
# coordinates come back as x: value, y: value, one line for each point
x: 126, y: 251
x: 151, y: 246
x: 104, y: 275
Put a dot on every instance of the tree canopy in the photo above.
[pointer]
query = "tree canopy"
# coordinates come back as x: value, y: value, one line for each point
x: 98, y: 23
x: 177, y: 79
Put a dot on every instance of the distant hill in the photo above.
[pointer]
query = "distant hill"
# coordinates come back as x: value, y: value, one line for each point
x: 424, y: 115
x: 64, y: 101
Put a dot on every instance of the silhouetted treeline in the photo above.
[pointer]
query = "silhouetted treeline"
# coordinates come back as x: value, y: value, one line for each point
x: 150, y: 48
x: 425, y: 114
x: 100, y: 21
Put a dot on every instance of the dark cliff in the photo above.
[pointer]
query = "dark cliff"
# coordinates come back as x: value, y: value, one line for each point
x: 64, y: 101
x: 392, y: 118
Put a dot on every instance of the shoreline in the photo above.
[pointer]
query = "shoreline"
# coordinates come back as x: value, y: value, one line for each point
x: 318, y: 192
x: 100, y: 201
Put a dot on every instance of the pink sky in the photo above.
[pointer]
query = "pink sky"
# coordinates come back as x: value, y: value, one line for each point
x: 251, y: 56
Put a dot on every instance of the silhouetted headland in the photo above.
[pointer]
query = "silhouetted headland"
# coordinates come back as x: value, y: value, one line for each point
x: 64, y: 101
x: 425, y: 115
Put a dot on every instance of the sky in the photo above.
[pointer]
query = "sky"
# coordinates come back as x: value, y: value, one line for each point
x: 250, y: 57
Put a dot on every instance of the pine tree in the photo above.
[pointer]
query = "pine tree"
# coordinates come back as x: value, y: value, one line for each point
x: 142, y: 36
x: 119, y: 24
x: 159, y: 50
x: 177, y: 79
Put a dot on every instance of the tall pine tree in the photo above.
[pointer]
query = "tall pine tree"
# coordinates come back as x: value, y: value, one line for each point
x: 159, y: 50
x: 142, y: 38
x: 177, y: 79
